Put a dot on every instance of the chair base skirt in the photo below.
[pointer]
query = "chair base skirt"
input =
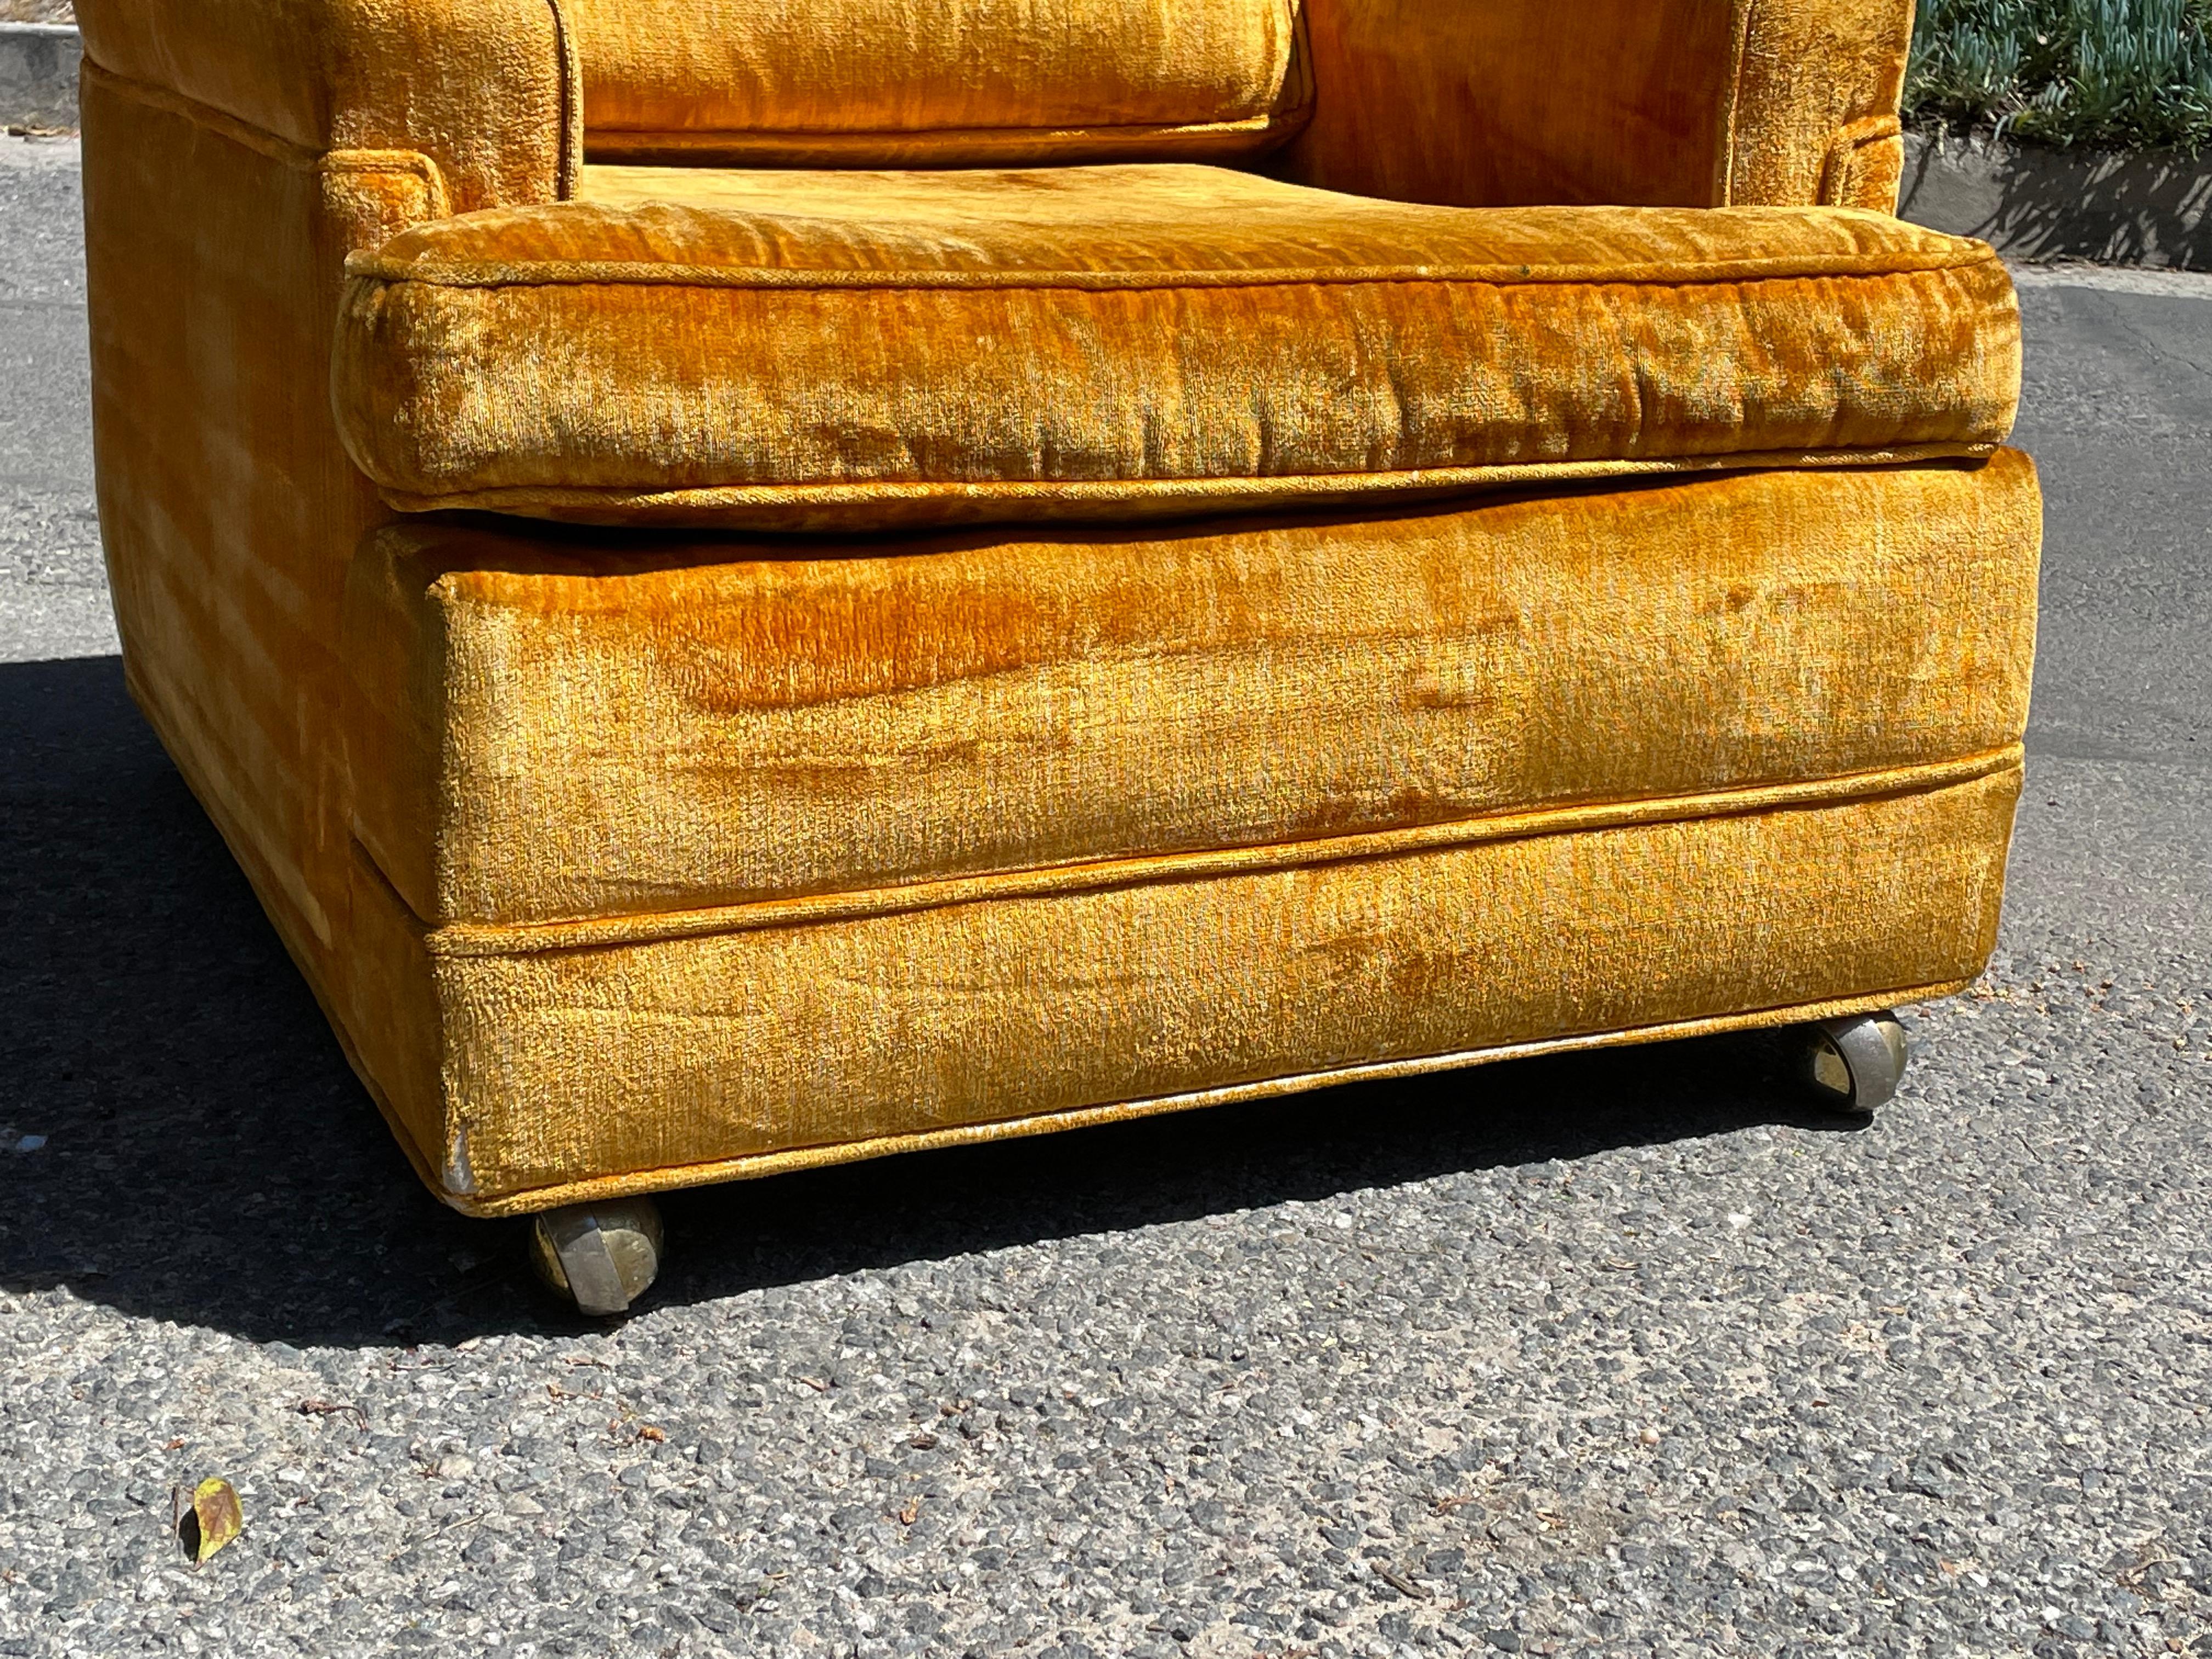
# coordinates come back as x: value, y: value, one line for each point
x: 1813, y: 1016
x: 521, y: 1079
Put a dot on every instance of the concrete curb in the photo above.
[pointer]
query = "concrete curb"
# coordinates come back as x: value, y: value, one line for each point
x: 2151, y: 208
x: 38, y: 75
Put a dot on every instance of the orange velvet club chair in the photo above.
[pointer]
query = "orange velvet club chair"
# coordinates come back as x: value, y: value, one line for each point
x: 761, y: 582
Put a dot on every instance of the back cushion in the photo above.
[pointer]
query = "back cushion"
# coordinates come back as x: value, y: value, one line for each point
x: 935, y: 82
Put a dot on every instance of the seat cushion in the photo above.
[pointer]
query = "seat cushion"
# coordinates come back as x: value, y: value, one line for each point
x: 935, y: 82
x: 548, y: 731
x: 807, y: 350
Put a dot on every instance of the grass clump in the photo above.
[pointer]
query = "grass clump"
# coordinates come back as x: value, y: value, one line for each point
x: 2123, y: 73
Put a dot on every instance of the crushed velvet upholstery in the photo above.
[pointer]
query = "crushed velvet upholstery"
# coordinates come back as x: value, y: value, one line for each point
x: 1627, y: 564
x: 477, y: 96
x: 540, y: 1070
x: 935, y: 82
x: 968, y: 705
x: 788, y: 349
x: 1689, y: 103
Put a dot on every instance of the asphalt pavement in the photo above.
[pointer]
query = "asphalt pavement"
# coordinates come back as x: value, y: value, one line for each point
x: 1622, y: 1353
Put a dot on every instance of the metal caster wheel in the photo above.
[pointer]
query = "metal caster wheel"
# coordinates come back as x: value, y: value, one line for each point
x: 600, y: 1256
x: 1854, y: 1064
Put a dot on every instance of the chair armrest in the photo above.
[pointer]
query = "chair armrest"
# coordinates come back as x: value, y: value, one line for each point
x: 1701, y: 103
x: 485, y: 89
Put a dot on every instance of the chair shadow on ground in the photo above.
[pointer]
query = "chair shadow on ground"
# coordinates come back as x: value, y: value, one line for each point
x: 210, y: 1159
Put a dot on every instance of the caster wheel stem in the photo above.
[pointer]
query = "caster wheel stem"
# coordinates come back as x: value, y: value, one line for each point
x: 603, y: 1256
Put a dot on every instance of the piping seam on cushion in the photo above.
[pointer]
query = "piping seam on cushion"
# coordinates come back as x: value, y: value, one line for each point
x: 376, y: 267
x: 638, y: 500
x: 570, y: 167
x: 801, y: 136
x: 1732, y: 110
x: 496, y: 939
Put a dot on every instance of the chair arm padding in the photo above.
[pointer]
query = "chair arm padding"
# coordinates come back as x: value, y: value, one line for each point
x: 485, y: 89
x: 1690, y: 103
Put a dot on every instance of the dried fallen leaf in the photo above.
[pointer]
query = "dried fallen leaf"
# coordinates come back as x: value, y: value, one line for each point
x: 911, y: 1513
x: 214, y: 1520
x: 333, y: 1409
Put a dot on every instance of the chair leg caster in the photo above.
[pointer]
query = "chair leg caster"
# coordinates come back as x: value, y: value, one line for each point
x: 1854, y: 1064
x: 602, y: 1257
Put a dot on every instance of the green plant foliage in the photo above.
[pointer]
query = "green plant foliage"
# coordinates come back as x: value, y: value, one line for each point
x: 2124, y: 73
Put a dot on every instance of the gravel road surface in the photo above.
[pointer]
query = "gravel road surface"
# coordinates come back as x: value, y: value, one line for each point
x: 1614, y: 1354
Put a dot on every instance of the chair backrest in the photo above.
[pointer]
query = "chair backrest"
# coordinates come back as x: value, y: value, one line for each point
x: 936, y: 83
